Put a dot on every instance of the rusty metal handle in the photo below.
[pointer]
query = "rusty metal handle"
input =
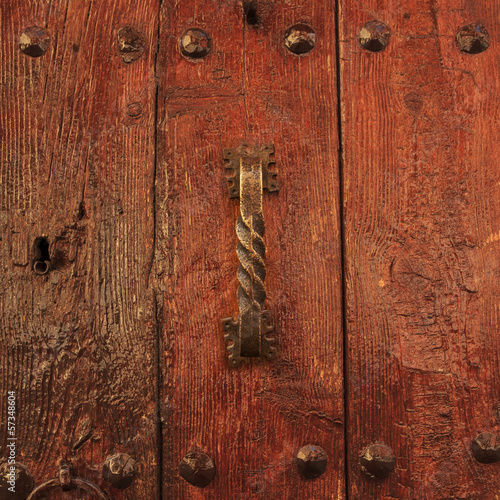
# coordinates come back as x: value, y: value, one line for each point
x: 251, y: 175
x: 66, y: 483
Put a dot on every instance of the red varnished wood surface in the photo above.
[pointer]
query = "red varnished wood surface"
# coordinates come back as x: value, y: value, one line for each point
x: 78, y: 345
x: 421, y: 208
x: 251, y: 420
x: 126, y: 327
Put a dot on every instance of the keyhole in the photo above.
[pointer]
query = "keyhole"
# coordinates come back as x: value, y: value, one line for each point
x: 41, y: 257
x: 250, y: 9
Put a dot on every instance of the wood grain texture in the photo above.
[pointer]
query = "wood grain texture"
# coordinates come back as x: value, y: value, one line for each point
x: 250, y: 89
x: 78, y: 345
x: 421, y: 206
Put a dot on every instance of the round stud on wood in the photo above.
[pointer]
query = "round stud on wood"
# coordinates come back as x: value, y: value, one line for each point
x: 486, y: 448
x: 311, y: 461
x: 377, y: 461
x: 34, y: 41
x: 130, y: 43
x: 300, y: 39
x: 18, y: 477
x: 374, y: 36
x: 197, y: 468
x: 134, y: 109
x: 473, y: 39
x: 119, y: 470
x: 195, y: 43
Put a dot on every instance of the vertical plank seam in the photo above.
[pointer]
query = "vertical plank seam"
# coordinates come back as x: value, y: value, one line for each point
x: 159, y: 376
x: 343, y: 256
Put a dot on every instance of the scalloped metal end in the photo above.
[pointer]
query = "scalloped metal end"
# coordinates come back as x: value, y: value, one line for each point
x: 231, y: 335
x: 232, y: 165
x: 230, y: 326
x: 267, y: 347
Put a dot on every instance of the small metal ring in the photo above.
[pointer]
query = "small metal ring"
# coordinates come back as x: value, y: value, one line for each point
x: 41, y: 267
x: 75, y: 483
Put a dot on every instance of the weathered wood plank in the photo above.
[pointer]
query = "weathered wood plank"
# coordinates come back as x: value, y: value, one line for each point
x: 249, y: 89
x: 78, y: 345
x: 421, y: 225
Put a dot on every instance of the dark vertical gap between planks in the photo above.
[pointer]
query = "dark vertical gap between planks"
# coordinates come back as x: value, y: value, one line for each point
x: 159, y: 377
x: 343, y: 255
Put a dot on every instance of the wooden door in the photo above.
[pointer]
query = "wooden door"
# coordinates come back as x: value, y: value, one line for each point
x: 421, y: 215
x: 123, y: 251
x: 251, y: 90
x: 79, y: 339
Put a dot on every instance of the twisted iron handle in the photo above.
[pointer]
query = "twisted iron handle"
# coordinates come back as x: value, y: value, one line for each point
x: 248, y: 332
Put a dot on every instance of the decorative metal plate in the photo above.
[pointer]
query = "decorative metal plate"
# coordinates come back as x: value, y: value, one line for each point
x: 250, y: 176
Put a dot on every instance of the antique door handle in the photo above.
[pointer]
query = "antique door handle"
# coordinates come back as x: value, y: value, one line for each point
x: 66, y: 483
x: 251, y: 175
